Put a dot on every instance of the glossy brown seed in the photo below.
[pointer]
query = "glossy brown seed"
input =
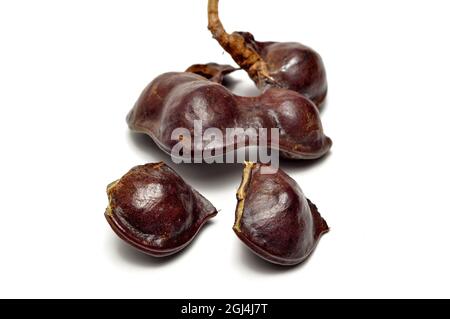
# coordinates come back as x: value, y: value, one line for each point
x: 274, y: 219
x: 287, y: 65
x: 176, y: 100
x: 154, y: 210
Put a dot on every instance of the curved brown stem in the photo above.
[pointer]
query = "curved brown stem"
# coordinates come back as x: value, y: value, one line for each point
x: 244, y: 55
x: 214, y: 23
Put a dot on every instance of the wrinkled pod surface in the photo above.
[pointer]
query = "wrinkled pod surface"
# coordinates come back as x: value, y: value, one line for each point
x: 274, y: 219
x: 154, y: 210
x: 288, y: 65
x: 179, y: 99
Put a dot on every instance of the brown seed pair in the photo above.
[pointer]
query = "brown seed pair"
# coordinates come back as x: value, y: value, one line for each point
x: 154, y: 210
x: 293, y: 83
x: 180, y: 99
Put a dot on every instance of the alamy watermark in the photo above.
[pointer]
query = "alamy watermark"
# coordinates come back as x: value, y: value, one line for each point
x: 236, y: 146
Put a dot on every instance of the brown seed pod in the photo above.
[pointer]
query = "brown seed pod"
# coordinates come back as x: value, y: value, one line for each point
x: 274, y: 219
x: 154, y: 210
x: 177, y: 100
x: 287, y: 65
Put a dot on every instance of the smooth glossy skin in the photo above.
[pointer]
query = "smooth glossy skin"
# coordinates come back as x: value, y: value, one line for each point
x: 274, y: 219
x: 287, y: 65
x: 154, y: 210
x: 176, y: 100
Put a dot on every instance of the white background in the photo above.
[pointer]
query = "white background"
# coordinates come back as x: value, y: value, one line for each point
x: 71, y: 70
